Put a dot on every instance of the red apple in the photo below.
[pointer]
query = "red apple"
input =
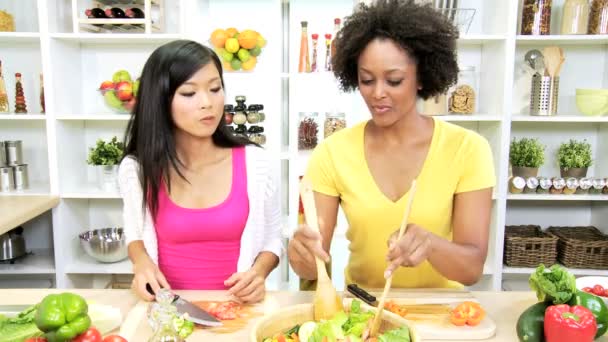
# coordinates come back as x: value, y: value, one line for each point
x: 124, y: 91
x: 105, y: 86
x: 129, y: 104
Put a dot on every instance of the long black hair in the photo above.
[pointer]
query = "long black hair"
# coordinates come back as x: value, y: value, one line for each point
x: 150, y: 135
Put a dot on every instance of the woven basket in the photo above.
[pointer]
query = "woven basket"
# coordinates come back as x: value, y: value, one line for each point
x: 581, y: 247
x: 529, y: 246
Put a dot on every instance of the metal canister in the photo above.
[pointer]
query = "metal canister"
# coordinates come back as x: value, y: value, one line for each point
x: 14, y: 156
x: 21, y: 177
x: 3, y: 158
x: 605, y: 190
x: 598, y: 185
x: 571, y: 186
x: 531, y: 185
x: 558, y: 185
x: 7, y: 183
x: 517, y: 185
x: 584, y: 184
x: 544, y: 185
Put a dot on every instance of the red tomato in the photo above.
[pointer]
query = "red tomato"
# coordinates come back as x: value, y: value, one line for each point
x: 36, y: 339
x: 587, y: 289
x: 114, y: 338
x: 91, y: 335
x: 598, y: 290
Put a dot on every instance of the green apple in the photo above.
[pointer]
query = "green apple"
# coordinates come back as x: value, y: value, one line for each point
x: 120, y: 76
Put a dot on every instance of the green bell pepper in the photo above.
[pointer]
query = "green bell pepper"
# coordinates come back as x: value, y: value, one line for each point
x: 596, y: 305
x: 62, y: 316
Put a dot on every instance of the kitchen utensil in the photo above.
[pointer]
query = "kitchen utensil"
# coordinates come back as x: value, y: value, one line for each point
x: 553, y: 59
x: 14, y: 154
x: 387, y: 285
x: 12, y: 244
x: 194, y: 313
x: 544, y: 95
x: 534, y: 57
x: 105, y: 245
x: 326, y: 302
x: 362, y: 294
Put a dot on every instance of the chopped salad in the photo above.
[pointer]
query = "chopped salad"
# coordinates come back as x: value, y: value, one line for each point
x: 351, y: 326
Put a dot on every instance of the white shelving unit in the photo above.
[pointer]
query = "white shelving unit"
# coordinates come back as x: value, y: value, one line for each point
x: 74, y: 63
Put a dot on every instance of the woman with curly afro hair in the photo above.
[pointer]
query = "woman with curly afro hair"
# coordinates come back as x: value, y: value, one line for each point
x: 394, y: 52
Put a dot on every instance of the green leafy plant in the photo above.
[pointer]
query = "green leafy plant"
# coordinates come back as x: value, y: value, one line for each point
x: 574, y: 154
x: 526, y: 152
x: 106, y: 153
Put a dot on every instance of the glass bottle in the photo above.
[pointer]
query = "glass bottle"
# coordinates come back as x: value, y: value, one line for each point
x: 20, y: 106
x: 598, y: 17
x: 536, y: 17
x: 334, y: 122
x: 575, y: 18
x: 315, y: 42
x: 328, y: 52
x: 337, y: 22
x: 4, y: 107
x: 304, y: 61
x: 308, y: 131
x: 42, y: 105
x: 161, y: 318
x: 463, y: 97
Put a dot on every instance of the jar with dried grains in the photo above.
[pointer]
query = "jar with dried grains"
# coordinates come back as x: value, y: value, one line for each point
x: 464, y: 96
x: 575, y: 18
x: 531, y: 185
x: 584, y: 184
x: 517, y: 185
x: 598, y: 17
x: 333, y: 123
x: 308, y: 130
x: 571, y: 185
x: 544, y: 185
x: 536, y: 17
x: 558, y: 186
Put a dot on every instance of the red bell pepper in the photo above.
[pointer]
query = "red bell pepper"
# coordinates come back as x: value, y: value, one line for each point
x: 564, y: 323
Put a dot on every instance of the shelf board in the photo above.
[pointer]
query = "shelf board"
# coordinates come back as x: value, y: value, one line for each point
x: 84, y: 264
x: 469, y: 118
x: 95, y: 117
x: 117, y: 38
x: 41, y: 261
x: 575, y: 271
x: 563, y: 39
x: 19, y: 37
x: 91, y: 195
x: 35, y: 189
x: 16, y: 210
x: 478, y: 39
x: 550, y: 197
x: 110, y: 21
x: 559, y: 118
x: 18, y: 117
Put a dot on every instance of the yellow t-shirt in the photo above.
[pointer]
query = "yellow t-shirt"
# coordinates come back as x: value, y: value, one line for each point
x: 458, y: 160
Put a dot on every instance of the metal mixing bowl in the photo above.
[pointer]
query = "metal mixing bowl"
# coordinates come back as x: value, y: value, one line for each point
x: 105, y: 244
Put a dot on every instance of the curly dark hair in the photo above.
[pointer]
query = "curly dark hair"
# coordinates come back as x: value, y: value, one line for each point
x: 427, y: 35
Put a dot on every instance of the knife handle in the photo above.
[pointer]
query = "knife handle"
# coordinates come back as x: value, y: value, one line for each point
x: 361, y: 293
x: 150, y: 291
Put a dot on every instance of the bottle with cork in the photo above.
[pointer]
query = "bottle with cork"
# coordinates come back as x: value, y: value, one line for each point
x: 20, y: 106
x: 4, y: 107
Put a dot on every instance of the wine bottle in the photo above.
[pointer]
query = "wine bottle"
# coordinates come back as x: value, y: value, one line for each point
x: 95, y: 13
x: 135, y: 13
x: 115, y: 12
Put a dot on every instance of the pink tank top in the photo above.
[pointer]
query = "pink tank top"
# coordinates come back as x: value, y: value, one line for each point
x: 199, y: 248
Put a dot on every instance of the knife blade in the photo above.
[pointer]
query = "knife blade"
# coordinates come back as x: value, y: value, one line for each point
x: 193, y: 313
x: 362, y: 294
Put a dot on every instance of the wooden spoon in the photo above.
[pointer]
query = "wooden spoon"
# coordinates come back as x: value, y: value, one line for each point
x: 378, y: 318
x: 553, y: 57
x: 326, y: 303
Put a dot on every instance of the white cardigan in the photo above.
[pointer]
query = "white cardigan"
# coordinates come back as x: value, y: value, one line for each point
x: 263, y: 228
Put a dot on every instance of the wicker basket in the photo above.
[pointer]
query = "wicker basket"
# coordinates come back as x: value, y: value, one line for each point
x: 529, y: 246
x: 581, y: 247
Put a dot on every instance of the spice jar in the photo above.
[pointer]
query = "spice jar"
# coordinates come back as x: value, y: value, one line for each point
x: 463, y: 97
x: 257, y: 138
x: 558, y: 186
x: 240, y: 129
x: 308, y: 131
x: 333, y: 123
x: 584, y: 184
x: 575, y: 18
x: 517, y: 185
x: 598, y: 17
x: 571, y: 186
x: 531, y: 185
x: 544, y: 185
x: 605, y: 190
x: 239, y: 118
x: 598, y: 186
x: 536, y: 17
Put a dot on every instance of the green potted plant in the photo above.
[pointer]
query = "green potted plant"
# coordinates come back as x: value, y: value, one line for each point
x: 106, y: 156
x: 574, y: 158
x: 526, y: 156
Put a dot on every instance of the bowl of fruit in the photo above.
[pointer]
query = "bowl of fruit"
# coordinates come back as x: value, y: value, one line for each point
x: 237, y: 50
x: 119, y: 93
x: 594, y: 285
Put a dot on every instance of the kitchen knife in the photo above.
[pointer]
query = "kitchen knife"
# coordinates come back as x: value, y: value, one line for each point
x: 194, y: 313
x: 362, y: 294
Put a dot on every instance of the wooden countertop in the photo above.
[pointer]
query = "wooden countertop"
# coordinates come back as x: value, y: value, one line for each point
x: 503, y: 307
x: 15, y: 210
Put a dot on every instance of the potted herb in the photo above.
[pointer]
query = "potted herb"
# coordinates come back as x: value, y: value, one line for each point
x: 526, y: 156
x: 574, y: 158
x: 106, y: 156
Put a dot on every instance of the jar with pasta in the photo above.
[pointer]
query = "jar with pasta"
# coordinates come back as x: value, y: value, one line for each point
x: 463, y: 98
x: 575, y: 18
x: 536, y: 17
x: 334, y: 122
x: 598, y: 17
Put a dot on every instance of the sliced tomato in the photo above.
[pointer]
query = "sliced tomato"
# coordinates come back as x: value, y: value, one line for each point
x: 114, y: 338
x: 458, y: 318
x: 587, y: 289
x: 223, y: 310
x: 36, y: 339
x: 281, y: 338
x: 469, y: 313
x: 598, y: 290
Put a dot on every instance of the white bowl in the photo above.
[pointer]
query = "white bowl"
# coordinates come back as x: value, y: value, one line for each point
x: 583, y: 282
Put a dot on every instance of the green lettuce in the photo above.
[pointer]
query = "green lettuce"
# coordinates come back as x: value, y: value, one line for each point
x: 357, y: 320
x: 20, y: 327
x: 555, y: 284
x: 397, y: 335
x: 332, y: 329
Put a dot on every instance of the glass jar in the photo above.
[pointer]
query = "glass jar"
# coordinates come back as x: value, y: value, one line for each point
x: 536, y: 17
x: 463, y: 97
x: 308, y: 130
x: 334, y: 122
x: 160, y: 317
x: 598, y: 17
x: 575, y: 18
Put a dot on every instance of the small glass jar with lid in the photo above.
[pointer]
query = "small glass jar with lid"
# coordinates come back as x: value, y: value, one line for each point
x: 308, y: 130
x: 334, y: 121
x: 575, y: 17
x: 598, y: 17
x: 463, y: 97
x: 536, y: 17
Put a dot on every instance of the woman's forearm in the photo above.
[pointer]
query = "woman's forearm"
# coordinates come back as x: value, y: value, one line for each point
x: 137, y: 251
x: 265, y: 263
x: 457, y: 262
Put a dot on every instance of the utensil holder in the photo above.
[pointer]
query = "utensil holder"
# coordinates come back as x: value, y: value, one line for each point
x: 543, y: 96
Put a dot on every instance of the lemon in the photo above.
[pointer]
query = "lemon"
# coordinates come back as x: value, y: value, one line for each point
x: 261, y: 41
x: 243, y: 55
x: 256, y: 51
x: 232, y: 45
x: 250, y: 64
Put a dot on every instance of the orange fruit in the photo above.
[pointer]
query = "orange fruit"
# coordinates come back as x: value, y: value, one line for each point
x: 231, y: 31
x: 227, y: 66
x: 250, y: 64
x: 218, y: 38
x: 248, y: 39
